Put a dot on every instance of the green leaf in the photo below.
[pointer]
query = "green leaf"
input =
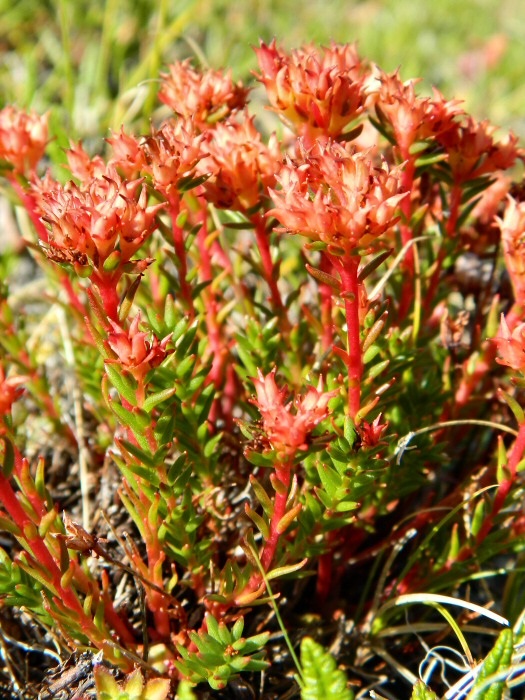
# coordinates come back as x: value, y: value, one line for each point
x: 497, y: 660
x: 123, y: 385
x: 159, y: 397
x: 322, y: 679
x: 262, y: 496
x: 239, y: 225
x: 260, y: 522
x: 430, y: 159
x: 330, y: 479
x: 107, y: 687
x: 422, y: 692
x: 260, y: 460
x: 285, y: 570
x: 367, y: 269
x: 184, y: 691
x: 138, y: 422
x: 9, y: 457
x: 325, y: 278
x: 514, y: 406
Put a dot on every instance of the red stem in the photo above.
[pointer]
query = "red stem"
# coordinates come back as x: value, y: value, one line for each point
x: 29, y: 204
x: 325, y: 292
x: 484, y: 363
x: 455, y: 204
x: 348, y: 269
x: 107, y: 287
x: 407, y: 265
x: 37, y: 546
x: 268, y: 553
x: 269, y: 269
x: 505, y: 485
x: 180, y: 250
x: 218, y: 350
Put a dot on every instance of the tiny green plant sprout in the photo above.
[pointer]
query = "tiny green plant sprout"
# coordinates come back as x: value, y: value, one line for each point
x: 262, y: 425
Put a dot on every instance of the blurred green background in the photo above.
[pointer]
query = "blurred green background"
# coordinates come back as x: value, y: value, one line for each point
x: 97, y: 63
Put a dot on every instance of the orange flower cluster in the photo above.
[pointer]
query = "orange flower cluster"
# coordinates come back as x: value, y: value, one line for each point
x: 23, y: 138
x: 337, y: 197
x: 319, y: 93
x: 171, y: 153
x: 288, y: 432
x: 106, y: 214
x: 473, y: 151
x: 205, y: 97
x: 242, y: 167
x: 413, y: 118
x: 168, y: 154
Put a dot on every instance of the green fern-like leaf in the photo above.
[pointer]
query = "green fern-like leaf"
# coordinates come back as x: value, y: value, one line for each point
x: 322, y: 679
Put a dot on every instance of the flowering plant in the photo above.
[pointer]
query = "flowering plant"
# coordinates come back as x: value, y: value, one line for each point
x: 284, y: 389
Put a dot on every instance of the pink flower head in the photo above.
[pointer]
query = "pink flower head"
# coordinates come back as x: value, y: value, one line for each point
x: 107, y: 214
x: 137, y: 352
x: 512, y: 227
x: 318, y: 93
x: 511, y: 346
x: 414, y: 118
x: 23, y: 138
x: 205, y: 97
x: 337, y: 197
x: 171, y: 153
x: 242, y: 167
x: 287, y: 431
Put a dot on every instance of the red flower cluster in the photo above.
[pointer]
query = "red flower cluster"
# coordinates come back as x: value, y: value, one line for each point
x: 204, y: 97
x: 242, y: 167
x: 337, y: 197
x: 171, y: 153
x: 413, y: 118
x: 105, y: 214
x: 319, y: 93
x: 473, y: 151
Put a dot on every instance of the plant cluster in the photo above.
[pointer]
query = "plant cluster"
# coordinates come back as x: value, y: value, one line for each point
x: 267, y: 382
